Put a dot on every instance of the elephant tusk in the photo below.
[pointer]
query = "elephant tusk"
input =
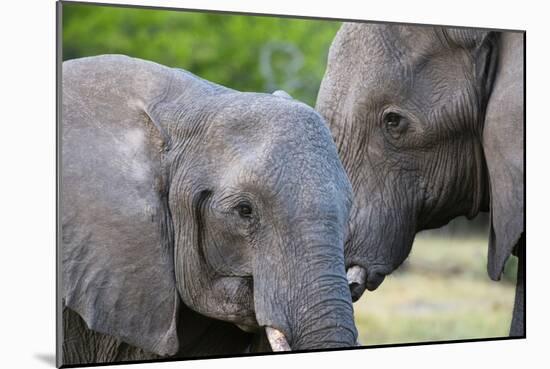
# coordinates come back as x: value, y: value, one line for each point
x: 356, y: 274
x: 357, y: 278
x: 277, y: 340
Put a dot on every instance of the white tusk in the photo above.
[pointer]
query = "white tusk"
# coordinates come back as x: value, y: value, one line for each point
x: 356, y: 274
x: 277, y: 340
x: 357, y: 281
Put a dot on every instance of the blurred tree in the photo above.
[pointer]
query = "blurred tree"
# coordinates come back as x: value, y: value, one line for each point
x: 247, y: 53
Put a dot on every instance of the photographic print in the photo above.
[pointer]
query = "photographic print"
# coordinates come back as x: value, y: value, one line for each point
x: 241, y: 184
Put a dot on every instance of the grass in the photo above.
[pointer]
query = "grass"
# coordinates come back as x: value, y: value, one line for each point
x: 442, y: 293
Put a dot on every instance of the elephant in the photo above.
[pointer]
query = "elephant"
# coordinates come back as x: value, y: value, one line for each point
x: 196, y: 219
x: 428, y: 122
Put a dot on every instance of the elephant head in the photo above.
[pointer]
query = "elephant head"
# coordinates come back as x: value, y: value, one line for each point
x: 179, y: 191
x: 428, y: 122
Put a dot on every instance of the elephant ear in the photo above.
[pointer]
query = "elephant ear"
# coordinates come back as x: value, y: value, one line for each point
x: 117, y: 259
x: 503, y: 145
x: 483, y: 47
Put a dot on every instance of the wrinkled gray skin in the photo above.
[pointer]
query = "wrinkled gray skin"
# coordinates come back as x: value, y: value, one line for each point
x: 428, y: 122
x: 188, y: 209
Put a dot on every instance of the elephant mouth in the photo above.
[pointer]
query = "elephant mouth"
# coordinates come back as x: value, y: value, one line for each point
x: 360, y: 278
x: 248, y: 328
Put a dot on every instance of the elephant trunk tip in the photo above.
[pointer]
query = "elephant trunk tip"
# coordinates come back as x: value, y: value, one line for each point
x: 359, y: 280
x: 374, y: 280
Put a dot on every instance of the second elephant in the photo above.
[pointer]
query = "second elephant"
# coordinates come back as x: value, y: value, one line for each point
x: 429, y: 126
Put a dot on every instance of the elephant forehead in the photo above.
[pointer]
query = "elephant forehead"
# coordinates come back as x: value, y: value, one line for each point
x: 274, y: 161
x: 268, y: 123
x: 269, y: 137
x: 418, y: 84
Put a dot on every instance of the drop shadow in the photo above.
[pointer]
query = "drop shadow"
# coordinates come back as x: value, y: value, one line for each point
x: 46, y: 358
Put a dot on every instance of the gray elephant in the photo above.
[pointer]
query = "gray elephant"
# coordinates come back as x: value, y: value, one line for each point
x: 428, y: 122
x: 189, y: 209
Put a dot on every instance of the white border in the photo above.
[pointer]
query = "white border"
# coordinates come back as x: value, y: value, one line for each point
x: 27, y: 239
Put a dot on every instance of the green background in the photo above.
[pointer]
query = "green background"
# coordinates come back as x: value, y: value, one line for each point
x: 442, y: 292
x: 247, y: 53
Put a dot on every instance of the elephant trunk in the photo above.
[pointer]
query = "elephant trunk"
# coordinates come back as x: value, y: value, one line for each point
x: 379, y: 241
x: 320, y: 314
x: 328, y: 321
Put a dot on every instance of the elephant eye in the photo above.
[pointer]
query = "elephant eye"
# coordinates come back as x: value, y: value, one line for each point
x: 392, y: 120
x: 395, y: 124
x: 244, y: 209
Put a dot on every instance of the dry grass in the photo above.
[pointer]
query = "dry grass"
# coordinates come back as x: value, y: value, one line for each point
x: 443, y: 293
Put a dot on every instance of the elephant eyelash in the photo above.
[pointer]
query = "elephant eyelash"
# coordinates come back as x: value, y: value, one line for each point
x: 395, y: 124
x: 244, y: 209
x: 392, y: 120
x: 239, y: 204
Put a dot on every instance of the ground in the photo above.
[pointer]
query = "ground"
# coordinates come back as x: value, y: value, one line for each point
x: 442, y: 293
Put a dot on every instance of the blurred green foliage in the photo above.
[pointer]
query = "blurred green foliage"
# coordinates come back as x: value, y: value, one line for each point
x: 247, y: 53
